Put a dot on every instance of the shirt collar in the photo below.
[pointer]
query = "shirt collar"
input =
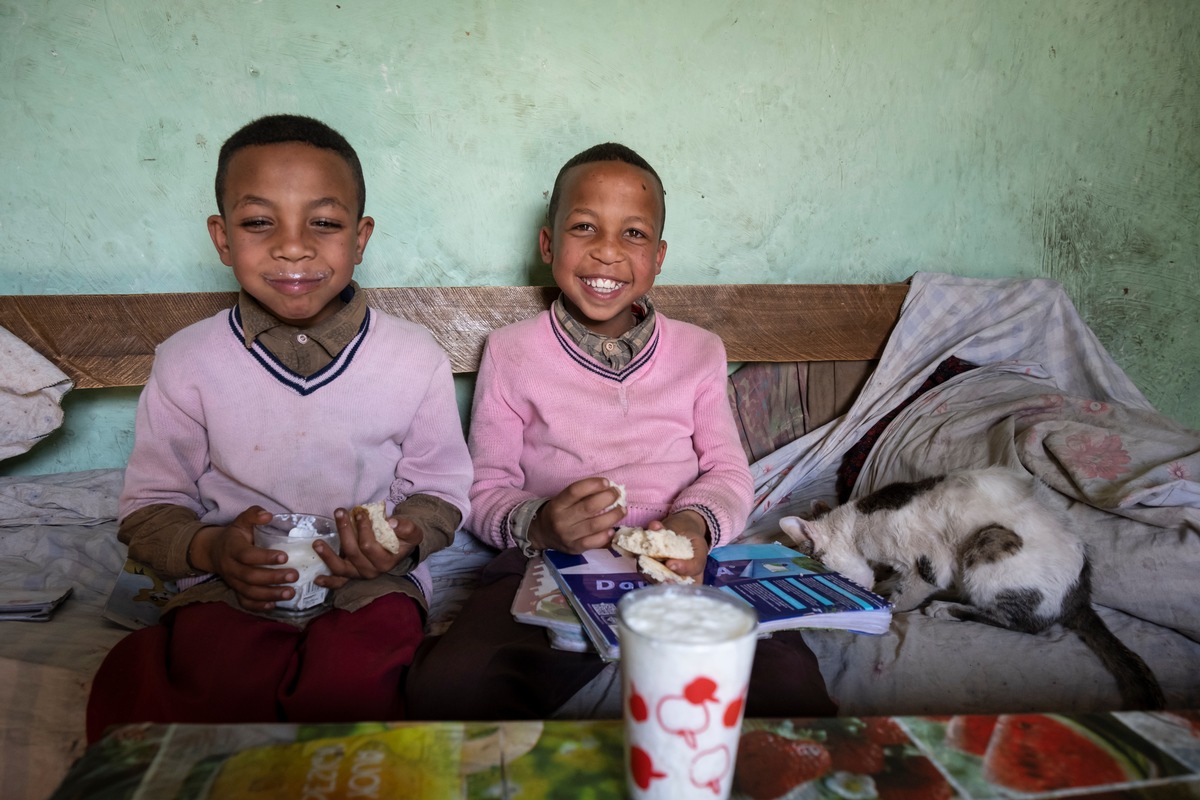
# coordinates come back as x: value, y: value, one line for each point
x: 616, y: 353
x: 332, y: 333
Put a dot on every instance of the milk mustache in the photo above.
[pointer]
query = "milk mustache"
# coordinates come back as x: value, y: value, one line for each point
x: 686, y: 653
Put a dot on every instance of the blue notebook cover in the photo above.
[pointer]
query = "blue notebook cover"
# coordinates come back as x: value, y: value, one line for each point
x: 786, y: 588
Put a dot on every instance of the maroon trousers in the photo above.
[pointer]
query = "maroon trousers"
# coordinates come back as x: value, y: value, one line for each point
x: 488, y: 666
x: 211, y: 663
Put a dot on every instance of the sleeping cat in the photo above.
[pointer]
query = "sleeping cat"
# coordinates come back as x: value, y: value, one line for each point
x: 988, y: 534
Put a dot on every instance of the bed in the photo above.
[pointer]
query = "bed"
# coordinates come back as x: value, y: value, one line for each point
x: 910, y: 379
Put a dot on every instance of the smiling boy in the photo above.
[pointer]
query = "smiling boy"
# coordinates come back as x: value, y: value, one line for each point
x: 597, y: 392
x: 608, y: 247
x: 299, y: 399
x: 297, y: 277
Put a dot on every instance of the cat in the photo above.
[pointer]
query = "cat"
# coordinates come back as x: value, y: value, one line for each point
x: 988, y: 535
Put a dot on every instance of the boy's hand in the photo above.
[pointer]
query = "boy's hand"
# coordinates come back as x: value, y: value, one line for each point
x: 363, y: 557
x: 690, y: 524
x: 574, y: 520
x: 230, y: 553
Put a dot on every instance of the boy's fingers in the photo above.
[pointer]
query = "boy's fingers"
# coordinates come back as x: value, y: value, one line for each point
x: 265, y: 577
x: 348, y: 532
x: 331, y: 581
x: 260, y: 556
x: 257, y: 593
x: 593, y: 541
x: 601, y: 502
x: 587, y: 487
x: 408, y: 532
x: 371, y: 553
x: 610, y: 519
x: 337, y: 565
x: 245, y: 521
x: 584, y: 521
x: 688, y: 569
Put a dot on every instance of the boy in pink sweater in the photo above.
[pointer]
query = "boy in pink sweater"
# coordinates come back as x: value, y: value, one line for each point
x: 599, y: 391
x: 298, y: 399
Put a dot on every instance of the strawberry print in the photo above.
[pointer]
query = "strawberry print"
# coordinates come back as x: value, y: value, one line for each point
x: 884, y: 731
x: 770, y: 765
x: 850, y: 753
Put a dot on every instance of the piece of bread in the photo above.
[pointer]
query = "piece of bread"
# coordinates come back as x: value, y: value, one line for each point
x: 659, y: 545
x: 653, y: 548
x: 620, y: 496
x: 377, y: 514
x: 658, y: 571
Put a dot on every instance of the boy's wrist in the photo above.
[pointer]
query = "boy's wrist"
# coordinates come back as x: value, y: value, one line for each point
x: 524, y: 528
x: 708, y: 523
x: 197, y: 555
x: 691, y: 523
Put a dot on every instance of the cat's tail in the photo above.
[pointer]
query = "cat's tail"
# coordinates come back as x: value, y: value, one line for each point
x: 1138, y: 687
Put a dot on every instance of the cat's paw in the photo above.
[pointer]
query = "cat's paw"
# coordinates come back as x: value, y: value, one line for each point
x: 909, y: 594
x: 945, y: 609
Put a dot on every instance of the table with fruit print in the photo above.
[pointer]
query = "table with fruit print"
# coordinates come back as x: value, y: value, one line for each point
x: 1119, y: 755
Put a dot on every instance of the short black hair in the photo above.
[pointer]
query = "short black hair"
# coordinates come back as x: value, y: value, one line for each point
x: 609, y: 151
x: 282, y: 128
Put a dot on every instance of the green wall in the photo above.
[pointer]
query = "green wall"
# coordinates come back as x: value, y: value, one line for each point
x: 799, y: 141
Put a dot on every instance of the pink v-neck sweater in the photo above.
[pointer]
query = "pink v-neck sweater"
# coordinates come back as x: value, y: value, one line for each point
x: 547, y: 414
x: 220, y: 428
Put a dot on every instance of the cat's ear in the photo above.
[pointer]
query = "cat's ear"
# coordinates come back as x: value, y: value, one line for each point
x: 799, y: 532
x: 820, y: 508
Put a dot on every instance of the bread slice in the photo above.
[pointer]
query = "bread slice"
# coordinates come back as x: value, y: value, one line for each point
x: 653, y: 548
x: 620, y: 501
x: 377, y: 514
x: 659, y: 545
x: 658, y: 571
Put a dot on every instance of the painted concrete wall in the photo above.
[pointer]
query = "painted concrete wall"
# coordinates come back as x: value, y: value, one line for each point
x: 800, y: 141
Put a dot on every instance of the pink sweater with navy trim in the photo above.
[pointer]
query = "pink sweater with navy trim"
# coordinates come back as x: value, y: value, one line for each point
x: 547, y: 414
x: 220, y: 428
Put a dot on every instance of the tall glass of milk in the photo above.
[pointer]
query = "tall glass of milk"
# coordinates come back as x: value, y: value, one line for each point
x: 294, y: 534
x: 686, y: 653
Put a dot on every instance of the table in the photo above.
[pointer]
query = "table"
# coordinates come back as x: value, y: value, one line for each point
x: 1128, y: 755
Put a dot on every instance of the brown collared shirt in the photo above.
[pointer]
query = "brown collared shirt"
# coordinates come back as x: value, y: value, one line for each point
x: 613, y: 353
x: 304, y: 351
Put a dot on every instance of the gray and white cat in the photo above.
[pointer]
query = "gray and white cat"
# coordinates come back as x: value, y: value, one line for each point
x: 990, y: 536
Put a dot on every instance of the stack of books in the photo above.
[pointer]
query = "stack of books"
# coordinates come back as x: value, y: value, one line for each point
x: 786, y: 588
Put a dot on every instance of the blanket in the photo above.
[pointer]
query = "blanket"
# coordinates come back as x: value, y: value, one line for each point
x: 1049, y: 400
x: 31, y: 392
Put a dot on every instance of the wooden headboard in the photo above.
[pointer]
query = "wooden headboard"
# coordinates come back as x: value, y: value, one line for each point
x: 108, y: 340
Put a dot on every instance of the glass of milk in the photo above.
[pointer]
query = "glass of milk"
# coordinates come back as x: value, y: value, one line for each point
x: 686, y: 653
x: 294, y: 535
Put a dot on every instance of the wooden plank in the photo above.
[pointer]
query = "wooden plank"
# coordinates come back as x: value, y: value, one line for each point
x: 461, y: 317
x: 790, y: 322
x: 105, y: 340
x: 832, y: 388
x: 108, y: 340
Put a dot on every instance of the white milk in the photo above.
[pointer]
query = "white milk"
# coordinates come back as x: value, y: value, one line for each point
x: 294, y: 534
x: 686, y: 653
